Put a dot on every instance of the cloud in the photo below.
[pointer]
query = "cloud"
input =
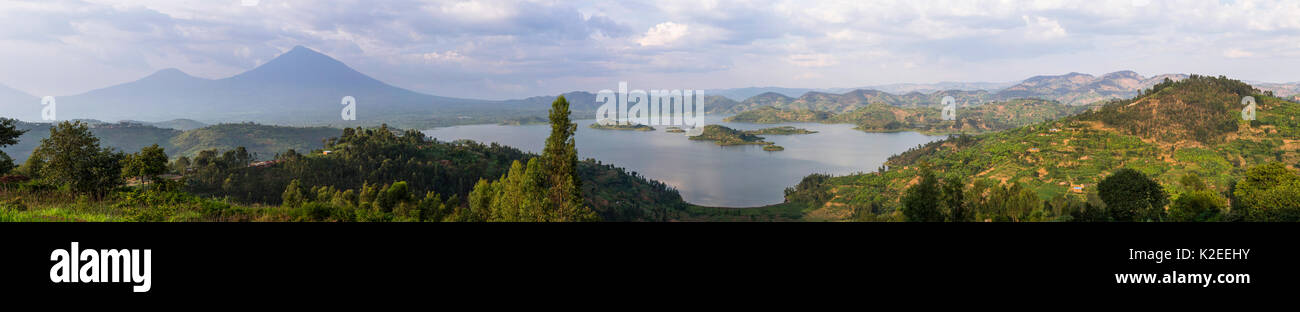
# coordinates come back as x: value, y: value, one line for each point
x: 505, y: 49
x: 812, y: 60
x: 1041, y: 28
x: 663, y: 34
x: 1237, y: 53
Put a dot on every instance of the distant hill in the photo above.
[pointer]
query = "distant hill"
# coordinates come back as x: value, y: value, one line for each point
x: 1071, y: 89
x: 1079, y: 89
x: 263, y: 140
x: 881, y: 117
x: 180, y: 124
x: 740, y: 94
x: 840, y: 103
x: 122, y: 136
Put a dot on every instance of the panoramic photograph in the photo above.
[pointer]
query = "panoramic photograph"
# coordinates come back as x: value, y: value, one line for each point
x: 1128, y: 144
x: 481, y: 111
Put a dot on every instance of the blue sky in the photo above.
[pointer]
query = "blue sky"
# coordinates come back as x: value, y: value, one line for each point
x: 512, y: 49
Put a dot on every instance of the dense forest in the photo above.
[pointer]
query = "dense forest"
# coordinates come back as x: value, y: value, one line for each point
x: 375, y: 174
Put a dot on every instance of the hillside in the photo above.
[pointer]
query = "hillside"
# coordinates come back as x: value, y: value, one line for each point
x: 768, y: 114
x: 880, y: 117
x: 263, y: 140
x: 1192, y: 127
x: 841, y: 103
x: 1079, y: 89
x: 124, y: 136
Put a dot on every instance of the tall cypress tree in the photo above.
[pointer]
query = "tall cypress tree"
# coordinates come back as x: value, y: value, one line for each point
x: 560, y: 167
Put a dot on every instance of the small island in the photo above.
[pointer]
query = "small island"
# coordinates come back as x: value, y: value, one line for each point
x: 727, y: 136
x: 773, y: 148
x: 675, y: 130
x: 786, y: 130
x: 616, y: 126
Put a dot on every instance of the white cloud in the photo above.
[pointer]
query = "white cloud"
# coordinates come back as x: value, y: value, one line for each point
x: 663, y: 34
x: 1237, y: 53
x: 812, y: 60
x: 1042, y: 28
x: 474, y: 48
x: 448, y: 56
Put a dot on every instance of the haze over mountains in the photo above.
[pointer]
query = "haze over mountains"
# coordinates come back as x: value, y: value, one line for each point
x: 18, y: 104
x: 305, y: 87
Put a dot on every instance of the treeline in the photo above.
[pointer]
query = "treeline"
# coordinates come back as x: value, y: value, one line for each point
x: 1267, y: 193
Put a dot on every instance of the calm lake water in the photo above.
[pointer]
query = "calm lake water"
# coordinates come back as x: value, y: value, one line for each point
x: 711, y: 175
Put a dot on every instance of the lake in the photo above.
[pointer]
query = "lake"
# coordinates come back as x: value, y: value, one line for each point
x: 707, y: 174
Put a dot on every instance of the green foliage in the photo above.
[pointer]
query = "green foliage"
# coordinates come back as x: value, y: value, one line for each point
x: 259, y: 140
x: 1133, y: 196
x: 782, y: 130
x: 149, y: 163
x: 921, y: 202
x: 292, y: 196
x: 9, y: 134
x: 954, y: 201
x: 1268, y: 193
x: 1197, y: 206
x: 72, y: 157
x: 1199, y: 108
x: 725, y: 136
x: 637, y: 127
x: 547, y: 190
x: 769, y: 114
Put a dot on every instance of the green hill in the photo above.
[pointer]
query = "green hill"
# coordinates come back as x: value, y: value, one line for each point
x: 1191, y: 127
x: 262, y: 140
x: 727, y: 136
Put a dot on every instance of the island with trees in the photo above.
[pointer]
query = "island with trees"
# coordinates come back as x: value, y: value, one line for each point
x: 618, y: 126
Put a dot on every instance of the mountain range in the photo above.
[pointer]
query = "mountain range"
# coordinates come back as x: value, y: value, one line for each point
x: 304, y: 87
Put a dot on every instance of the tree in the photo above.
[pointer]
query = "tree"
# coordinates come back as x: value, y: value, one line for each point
x: 559, y: 165
x: 9, y: 134
x: 153, y: 161
x: 293, y: 196
x: 1133, y: 196
x: 181, y: 165
x: 1268, y: 193
x: 72, y: 157
x: 921, y: 201
x: 1196, y: 206
x: 1012, y: 202
x: 954, y: 201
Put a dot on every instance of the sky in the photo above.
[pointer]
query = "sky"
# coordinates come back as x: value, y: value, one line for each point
x: 515, y: 49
